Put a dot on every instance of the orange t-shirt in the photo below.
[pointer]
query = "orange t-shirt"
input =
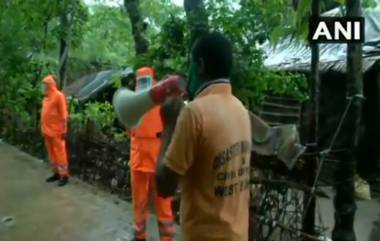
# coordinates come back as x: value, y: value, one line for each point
x: 210, y: 149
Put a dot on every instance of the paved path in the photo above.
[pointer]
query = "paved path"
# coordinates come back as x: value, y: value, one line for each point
x: 31, y: 209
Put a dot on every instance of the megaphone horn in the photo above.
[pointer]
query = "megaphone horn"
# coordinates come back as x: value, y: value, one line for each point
x: 130, y: 106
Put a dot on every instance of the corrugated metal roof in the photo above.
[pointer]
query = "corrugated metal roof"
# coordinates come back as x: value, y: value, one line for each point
x: 90, y: 85
x: 100, y: 82
x: 295, y: 55
x: 74, y: 87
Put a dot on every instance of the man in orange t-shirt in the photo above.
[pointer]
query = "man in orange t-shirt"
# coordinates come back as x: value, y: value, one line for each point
x: 54, y: 116
x: 210, y: 150
x: 145, y: 146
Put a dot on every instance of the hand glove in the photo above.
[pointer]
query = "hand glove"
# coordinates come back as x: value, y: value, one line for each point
x: 171, y: 86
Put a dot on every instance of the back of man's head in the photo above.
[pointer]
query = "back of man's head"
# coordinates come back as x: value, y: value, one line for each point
x: 214, y: 51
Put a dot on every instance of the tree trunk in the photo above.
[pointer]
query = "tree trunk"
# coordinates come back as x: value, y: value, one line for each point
x: 197, y: 18
x: 312, y: 163
x: 138, y: 26
x: 345, y: 206
x: 64, y: 47
x: 63, y: 56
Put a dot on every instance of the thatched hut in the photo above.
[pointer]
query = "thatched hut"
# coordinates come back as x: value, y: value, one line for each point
x: 294, y: 56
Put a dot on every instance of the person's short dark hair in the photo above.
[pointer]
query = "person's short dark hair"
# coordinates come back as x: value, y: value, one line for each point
x: 216, y: 51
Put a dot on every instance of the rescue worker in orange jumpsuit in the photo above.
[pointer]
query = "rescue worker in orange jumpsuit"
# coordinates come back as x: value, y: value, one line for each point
x: 54, y: 117
x: 145, y: 146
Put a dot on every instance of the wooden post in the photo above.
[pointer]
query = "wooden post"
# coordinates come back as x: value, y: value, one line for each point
x: 345, y: 206
x: 309, y: 200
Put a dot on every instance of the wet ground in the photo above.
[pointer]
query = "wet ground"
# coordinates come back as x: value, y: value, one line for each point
x: 367, y: 219
x: 31, y: 209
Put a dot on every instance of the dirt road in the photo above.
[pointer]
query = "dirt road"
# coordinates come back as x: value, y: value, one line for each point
x: 31, y: 209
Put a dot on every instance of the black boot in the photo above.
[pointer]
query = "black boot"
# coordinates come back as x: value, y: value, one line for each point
x: 135, y: 239
x: 63, y: 181
x: 344, y: 223
x: 53, y: 178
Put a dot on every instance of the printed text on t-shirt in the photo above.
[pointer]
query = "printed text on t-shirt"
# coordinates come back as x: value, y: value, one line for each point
x: 229, y: 178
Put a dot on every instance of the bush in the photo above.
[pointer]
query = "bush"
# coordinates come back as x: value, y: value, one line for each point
x: 100, y: 114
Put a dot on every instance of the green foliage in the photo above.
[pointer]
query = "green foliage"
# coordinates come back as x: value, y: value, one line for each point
x: 107, y: 40
x: 108, y: 32
x: 100, y: 114
x: 63, y: 18
x: 365, y: 3
x: 120, y: 137
x: 167, y: 53
x: 297, y: 20
x: 370, y: 3
x: 247, y: 27
x: 156, y: 13
x: 29, y: 33
x: 342, y: 2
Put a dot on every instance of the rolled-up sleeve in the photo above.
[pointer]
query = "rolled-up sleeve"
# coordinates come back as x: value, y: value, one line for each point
x: 180, y: 154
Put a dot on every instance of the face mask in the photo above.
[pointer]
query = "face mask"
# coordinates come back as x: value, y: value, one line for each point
x: 144, y: 82
x: 194, y: 81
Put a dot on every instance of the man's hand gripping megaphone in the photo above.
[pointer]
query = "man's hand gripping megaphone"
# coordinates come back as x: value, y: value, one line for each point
x: 172, y: 85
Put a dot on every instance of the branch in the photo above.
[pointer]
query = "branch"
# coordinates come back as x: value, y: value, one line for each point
x: 274, y: 164
x: 289, y: 184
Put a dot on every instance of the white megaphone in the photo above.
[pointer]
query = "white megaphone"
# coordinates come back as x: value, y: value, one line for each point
x: 130, y: 106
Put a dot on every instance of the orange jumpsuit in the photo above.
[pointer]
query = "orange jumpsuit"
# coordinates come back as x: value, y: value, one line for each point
x: 54, y: 116
x: 145, y: 146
